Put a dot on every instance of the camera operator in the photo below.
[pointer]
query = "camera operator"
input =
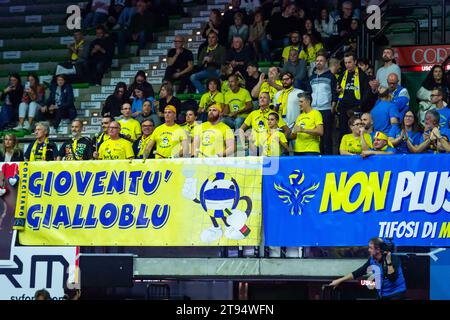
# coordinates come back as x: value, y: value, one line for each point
x: 391, y: 284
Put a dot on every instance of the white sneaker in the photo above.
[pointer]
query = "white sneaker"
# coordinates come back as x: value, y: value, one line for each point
x: 211, y: 234
x: 18, y: 127
x: 26, y: 125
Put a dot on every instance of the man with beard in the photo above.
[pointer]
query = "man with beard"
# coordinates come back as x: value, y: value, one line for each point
x: 286, y: 100
x: 388, y: 68
x: 295, y: 45
x: 147, y: 126
x: 213, y: 138
x: 170, y: 139
x: 78, y: 148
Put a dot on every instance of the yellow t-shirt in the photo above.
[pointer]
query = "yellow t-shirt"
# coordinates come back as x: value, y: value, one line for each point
x: 120, y: 149
x: 286, y: 51
x: 224, y: 87
x: 352, y: 144
x: 257, y: 120
x: 272, y: 146
x: 130, y: 127
x: 189, y: 129
x: 236, y: 101
x: 212, y: 138
x: 208, y: 99
x: 266, y: 87
x: 306, y: 142
x: 310, y: 55
x: 168, y: 140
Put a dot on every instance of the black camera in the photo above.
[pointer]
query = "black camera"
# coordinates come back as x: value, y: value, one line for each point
x: 387, y: 245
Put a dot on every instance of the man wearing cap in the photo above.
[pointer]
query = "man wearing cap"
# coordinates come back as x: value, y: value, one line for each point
x: 170, y: 139
x: 308, y: 128
x: 213, y: 138
x: 116, y: 148
x: 381, y: 145
x: 131, y: 129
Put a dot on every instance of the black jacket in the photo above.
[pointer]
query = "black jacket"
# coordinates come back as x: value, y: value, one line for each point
x: 16, y: 157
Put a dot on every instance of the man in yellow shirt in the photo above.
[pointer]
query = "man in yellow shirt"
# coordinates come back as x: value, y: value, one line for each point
x: 213, y: 138
x: 116, y: 148
x: 131, y: 129
x: 272, y: 84
x: 170, y: 139
x: 238, y: 103
x: 308, y: 128
x: 258, y: 121
x: 295, y: 44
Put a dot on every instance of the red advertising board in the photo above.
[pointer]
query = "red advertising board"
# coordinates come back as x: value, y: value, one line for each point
x: 421, y: 57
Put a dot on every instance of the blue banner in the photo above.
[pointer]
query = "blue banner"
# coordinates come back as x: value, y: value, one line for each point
x: 346, y: 200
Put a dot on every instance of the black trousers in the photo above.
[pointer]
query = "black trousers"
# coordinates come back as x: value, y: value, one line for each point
x: 185, y: 82
x: 57, y: 115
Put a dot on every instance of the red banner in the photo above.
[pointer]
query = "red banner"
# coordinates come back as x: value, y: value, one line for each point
x: 421, y: 55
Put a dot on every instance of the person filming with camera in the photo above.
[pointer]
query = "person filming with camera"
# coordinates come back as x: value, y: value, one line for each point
x: 389, y: 282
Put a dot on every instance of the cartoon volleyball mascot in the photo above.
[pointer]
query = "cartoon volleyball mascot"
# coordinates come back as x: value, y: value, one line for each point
x: 219, y: 196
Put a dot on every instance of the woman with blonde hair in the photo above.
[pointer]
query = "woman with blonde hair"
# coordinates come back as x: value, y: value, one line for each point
x: 10, y: 151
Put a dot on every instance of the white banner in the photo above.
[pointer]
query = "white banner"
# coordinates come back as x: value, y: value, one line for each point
x: 17, y: 9
x: 150, y: 59
x: 33, y: 19
x: 66, y: 40
x: 12, y: 54
x: 32, y: 66
x: 50, y: 29
x: 90, y: 105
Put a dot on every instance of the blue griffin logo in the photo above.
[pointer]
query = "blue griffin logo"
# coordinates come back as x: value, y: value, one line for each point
x: 295, y: 195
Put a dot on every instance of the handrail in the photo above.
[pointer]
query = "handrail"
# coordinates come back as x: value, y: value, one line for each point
x: 443, y: 22
x: 429, y: 8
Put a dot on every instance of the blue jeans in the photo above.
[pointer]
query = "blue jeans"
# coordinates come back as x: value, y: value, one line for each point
x: 233, y: 123
x: 197, y: 78
x: 93, y: 19
x: 6, y: 116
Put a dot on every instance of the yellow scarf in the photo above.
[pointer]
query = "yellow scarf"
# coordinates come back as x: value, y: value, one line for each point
x: 282, y: 106
x: 142, y: 145
x: 209, y: 49
x: 44, y: 150
x: 77, y: 46
x: 356, y: 84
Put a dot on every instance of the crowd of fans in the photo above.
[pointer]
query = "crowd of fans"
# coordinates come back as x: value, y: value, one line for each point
x: 307, y: 104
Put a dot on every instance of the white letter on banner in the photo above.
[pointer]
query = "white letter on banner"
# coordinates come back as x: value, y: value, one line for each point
x: 431, y: 207
x: 403, y: 189
x: 74, y: 20
x: 446, y: 205
x: 417, y: 184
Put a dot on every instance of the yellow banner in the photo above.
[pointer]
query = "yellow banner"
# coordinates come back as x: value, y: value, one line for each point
x: 179, y: 202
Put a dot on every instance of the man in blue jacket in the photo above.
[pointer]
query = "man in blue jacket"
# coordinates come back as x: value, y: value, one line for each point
x: 386, y: 269
x: 400, y: 95
x: 324, y: 95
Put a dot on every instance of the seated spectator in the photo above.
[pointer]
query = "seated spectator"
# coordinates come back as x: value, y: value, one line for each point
x: 344, y: 20
x: 409, y: 130
x: 42, y: 149
x: 130, y: 129
x: 294, y: 39
x: 351, y: 143
x: 140, y: 79
x: 327, y: 27
x: 381, y: 146
x: 101, y: 52
x: 238, y: 29
x: 251, y: 75
x: 385, y: 114
x: 114, y: 102
x: 138, y: 101
x: 115, y: 148
x: 257, y: 37
x: 309, y: 29
x: 77, y: 148
x: 11, y: 98
x: 238, y: 103
x: 434, y: 79
x: 271, y: 85
x: 310, y: 48
x: 298, y: 69
x: 251, y: 6
x: 308, y: 128
x: 149, y: 112
x: 78, y: 54
x: 226, y: 70
x: 114, y: 13
x: 352, y: 36
x: 180, y: 63
x: 230, y: 12
x: 400, y: 95
x: 212, y: 96
x: 126, y: 14
x: 215, y: 24
x: 209, y: 61
x: 441, y: 137
x: 59, y: 105
x: 33, y: 98
x: 280, y: 26
x: 167, y: 98
x: 140, y: 29
x: 10, y: 151
x: 147, y: 128
x: 98, y: 13
x: 239, y: 55
x: 428, y: 145
x: 438, y: 103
